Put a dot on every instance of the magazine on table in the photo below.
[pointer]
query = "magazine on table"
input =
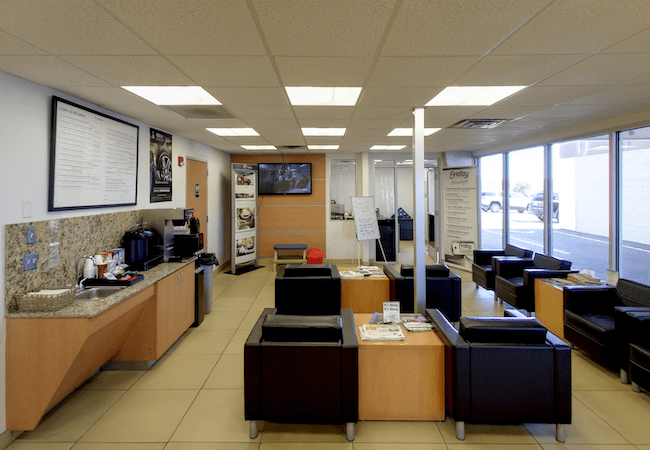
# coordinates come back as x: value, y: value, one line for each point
x: 373, y: 332
x: 416, y: 322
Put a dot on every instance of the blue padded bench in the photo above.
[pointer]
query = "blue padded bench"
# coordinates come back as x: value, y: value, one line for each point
x: 290, y: 258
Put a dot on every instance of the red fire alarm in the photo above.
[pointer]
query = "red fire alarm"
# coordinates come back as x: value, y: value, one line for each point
x: 181, y: 161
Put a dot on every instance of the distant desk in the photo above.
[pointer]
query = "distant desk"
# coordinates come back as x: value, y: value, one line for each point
x: 364, y: 296
x: 401, y: 380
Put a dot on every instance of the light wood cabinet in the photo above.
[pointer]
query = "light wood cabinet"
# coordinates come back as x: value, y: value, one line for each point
x: 174, y: 308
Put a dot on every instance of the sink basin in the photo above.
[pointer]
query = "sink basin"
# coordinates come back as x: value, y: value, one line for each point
x: 98, y: 293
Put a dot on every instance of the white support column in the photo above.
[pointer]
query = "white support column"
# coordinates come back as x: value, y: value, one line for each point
x: 419, y: 249
x: 365, y: 191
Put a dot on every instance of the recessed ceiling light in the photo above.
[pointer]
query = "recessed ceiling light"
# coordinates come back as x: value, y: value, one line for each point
x: 233, y: 131
x: 323, y: 96
x: 473, y: 95
x: 409, y: 131
x: 259, y: 147
x: 323, y: 147
x: 387, y: 147
x: 174, y: 95
x: 323, y: 131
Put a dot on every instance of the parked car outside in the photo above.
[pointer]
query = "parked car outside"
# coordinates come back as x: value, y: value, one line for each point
x: 493, y: 201
x: 536, y: 206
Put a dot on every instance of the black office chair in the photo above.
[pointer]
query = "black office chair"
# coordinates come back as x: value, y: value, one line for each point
x: 483, y: 264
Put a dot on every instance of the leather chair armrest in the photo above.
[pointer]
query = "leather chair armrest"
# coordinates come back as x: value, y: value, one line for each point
x: 627, y: 323
x: 252, y: 368
x: 349, y: 368
x: 590, y: 299
x: 484, y: 257
x: 392, y: 272
x: 562, y: 378
x: 396, y: 281
x: 510, y: 266
x: 335, y: 272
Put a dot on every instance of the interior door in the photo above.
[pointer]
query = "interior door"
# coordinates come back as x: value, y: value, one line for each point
x: 197, y: 194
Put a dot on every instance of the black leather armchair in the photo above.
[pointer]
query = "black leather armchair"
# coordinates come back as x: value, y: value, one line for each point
x: 302, y: 369
x: 505, y: 370
x: 639, y: 362
x: 308, y: 289
x: 482, y: 267
x: 514, y: 279
x: 596, y: 320
x: 442, y: 287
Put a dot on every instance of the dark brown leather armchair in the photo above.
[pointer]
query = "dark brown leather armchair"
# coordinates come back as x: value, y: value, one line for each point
x: 302, y: 369
x: 505, y: 370
x: 639, y: 362
x: 308, y: 289
x: 483, y: 265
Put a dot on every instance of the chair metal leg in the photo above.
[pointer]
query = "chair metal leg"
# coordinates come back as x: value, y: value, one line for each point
x: 636, y: 387
x: 625, y: 377
x: 460, y: 430
x: 560, y: 432
x: 349, y: 431
x: 496, y: 298
x: 253, y: 429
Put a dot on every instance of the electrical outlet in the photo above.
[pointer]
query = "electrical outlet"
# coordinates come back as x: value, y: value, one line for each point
x: 30, y: 261
x: 31, y: 235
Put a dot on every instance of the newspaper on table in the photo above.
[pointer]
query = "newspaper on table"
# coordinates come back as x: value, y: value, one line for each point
x: 416, y: 322
x: 381, y: 333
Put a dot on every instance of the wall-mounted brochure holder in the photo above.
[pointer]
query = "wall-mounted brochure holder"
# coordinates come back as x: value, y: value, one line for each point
x: 244, y: 216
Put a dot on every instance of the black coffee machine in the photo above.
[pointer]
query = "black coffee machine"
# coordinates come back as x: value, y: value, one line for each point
x: 139, y: 249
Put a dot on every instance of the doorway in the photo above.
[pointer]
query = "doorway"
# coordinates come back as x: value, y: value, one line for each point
x: 197, y: 194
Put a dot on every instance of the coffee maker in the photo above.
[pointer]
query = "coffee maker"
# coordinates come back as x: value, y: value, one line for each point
x: 168, y: 223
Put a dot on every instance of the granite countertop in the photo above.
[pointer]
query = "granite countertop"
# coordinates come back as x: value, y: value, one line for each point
x: 91, y: 308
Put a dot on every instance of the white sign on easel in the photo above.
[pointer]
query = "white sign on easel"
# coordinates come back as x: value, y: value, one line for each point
x: 365, y: 218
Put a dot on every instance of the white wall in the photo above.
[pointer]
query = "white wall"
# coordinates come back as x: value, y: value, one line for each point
x: 25, y: 110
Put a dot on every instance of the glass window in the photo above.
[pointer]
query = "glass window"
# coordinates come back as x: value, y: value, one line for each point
x: 491, y: 177
x: 526, y: 181
x: 343, y: 186
x: 635, y: 208
x: 580, y: 203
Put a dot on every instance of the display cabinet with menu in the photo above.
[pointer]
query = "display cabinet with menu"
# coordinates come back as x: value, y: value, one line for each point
x: 244, y: 216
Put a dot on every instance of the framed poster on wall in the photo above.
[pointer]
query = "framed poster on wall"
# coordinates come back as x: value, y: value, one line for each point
x: 93, y: 159
x: 160, y: 163
x: 244, y: 215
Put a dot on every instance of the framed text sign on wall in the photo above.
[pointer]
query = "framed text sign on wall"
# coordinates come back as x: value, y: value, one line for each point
x: 93, y: 159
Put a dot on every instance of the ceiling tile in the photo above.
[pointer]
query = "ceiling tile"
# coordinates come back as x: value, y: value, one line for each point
x: 323, y: 123
x: 368, y: 132
x: 70, y: 27
x: 450, y: 112
x: 323, y: 27
x: 383, y: 112
x: 397, y: 96
x: 286, y: 139
x: 515, y: 70
x: 249, y: 96
x: 428, y: 28
x: 279, y: 126
x: 131, y: 70
x: 567, y: 111
x: 323, y: 71
x: 379, y: 124
x: 220, y: 123
x: 639, y: 43
x: 48, y: 71
x: 10, y: 45
x: 603, y: 69
x: 578, y: 27
x: 262, y: 112
x: 106, y: 96
x: 324, y: 112
x: 548, y: 95
x: 615, y: 95
x: 230, y: 71
x: 433, y: 71
x: 199, y: 27
x: 507, y: 112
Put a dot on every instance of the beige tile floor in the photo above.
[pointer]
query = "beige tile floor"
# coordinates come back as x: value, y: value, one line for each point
x: 192, y: 398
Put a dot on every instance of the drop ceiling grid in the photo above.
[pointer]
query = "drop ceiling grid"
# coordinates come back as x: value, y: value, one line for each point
x: 48, y: 71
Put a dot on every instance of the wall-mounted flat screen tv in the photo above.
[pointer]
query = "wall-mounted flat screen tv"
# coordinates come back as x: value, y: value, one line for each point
x: 284, y: 178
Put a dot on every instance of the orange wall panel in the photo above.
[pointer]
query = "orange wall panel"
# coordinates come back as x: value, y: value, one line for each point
x: 317, y: 197
x: 291, y: 218
x: 267, y: 239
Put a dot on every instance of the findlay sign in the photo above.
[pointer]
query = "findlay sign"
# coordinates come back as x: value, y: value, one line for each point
x: 460, y: 213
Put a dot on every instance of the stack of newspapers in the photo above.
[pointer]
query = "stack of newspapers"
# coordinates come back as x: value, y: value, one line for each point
x: 381, y: 332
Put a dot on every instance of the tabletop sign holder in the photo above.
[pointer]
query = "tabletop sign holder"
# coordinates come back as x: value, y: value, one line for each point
x: 391, y: 312
x: 365, y: 222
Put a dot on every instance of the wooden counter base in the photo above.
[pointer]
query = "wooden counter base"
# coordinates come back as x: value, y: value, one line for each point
x: 401, y: 380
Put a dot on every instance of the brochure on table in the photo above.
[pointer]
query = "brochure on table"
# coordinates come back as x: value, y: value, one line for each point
x: 244, y: 215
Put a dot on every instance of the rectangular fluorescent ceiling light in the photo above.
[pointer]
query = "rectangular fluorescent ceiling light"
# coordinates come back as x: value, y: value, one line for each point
x: 259, y: 147
x: 323, y: 147
x: 387, y: 147
x: 323, y: 131
x: 174, y: 95
x: 473, y: 95
x: 409, y: 131
x: 323, y: 96
x: 233, y: 131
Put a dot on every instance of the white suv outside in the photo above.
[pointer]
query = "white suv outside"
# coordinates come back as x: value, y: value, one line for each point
x: 493, y: 201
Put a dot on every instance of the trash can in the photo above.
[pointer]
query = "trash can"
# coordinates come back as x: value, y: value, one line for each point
x: 207, y: 261
x: 315, y: 256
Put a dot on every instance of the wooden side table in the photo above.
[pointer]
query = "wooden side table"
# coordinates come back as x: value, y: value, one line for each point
x: 365, y: 296
x: 401, y: 380
x: 549, y: 303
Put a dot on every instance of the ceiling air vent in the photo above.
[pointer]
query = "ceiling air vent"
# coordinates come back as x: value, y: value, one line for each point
x: 292, y: 148
x: 485, y: 124
x: 202, y: 111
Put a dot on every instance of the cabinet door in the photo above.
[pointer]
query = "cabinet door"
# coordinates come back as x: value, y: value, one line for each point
x: 186, y: 299
x: 167, y: 291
